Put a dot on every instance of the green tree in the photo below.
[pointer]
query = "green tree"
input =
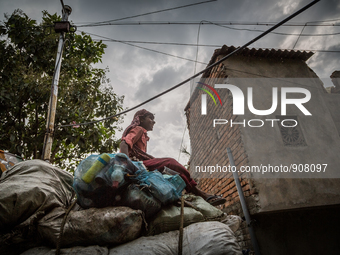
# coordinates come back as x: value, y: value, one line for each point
x: 27, y: 61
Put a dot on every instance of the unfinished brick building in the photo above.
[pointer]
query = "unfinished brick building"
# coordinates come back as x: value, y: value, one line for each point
x: 278, y: 203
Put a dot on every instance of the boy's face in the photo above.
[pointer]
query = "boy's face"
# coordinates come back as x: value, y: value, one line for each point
x: 148, y: 122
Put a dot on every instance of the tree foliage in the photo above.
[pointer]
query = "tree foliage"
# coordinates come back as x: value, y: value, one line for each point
x: 28, y: 56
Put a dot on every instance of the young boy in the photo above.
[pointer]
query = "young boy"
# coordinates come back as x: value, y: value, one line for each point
x: 134, y: 145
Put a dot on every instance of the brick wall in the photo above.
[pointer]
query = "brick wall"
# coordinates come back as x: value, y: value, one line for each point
x: 209, y: 147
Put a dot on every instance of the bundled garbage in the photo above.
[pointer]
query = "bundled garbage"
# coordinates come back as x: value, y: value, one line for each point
x: 118, y: 202
x: 94, y: 226
x: 114, y: 180
x: 100, y: 178
x: 206, y: 238
x: 30, y: 189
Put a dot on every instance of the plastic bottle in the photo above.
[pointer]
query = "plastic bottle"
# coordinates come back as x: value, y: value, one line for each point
x: 101, y: 178
x: 117, y: 176
x: 98, y: 165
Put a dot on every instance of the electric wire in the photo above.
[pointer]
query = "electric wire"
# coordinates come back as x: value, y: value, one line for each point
x: 276, y: 33
x: 148, y: 13
x: 261, y: 31
x: 208, y: 23
x: 302, y: 32
x: 330, y: 20
x: 244, y: 72
x: 202, y: 71
x: 299, y: 37
x: 204, y: 45
x: 152, y: 50
x: 161, y: 43
x: 230, y: 23
x: 197, y: 43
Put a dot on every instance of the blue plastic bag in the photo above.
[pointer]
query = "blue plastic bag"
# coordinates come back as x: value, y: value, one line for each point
x: 159, y: 187
x: 177, y: 181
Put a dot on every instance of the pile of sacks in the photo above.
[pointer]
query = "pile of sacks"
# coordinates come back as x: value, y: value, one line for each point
x: 35, y: 196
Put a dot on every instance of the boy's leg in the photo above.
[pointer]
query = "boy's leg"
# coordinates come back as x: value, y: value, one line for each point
x: 160, y: 163
x: 191, y: 185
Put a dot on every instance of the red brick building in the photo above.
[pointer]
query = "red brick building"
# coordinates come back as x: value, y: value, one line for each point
x: 260, y: 69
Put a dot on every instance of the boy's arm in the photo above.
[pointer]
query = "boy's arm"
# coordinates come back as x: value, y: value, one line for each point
x: 124, y: 148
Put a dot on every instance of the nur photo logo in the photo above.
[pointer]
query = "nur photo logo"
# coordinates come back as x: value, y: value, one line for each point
x: 204, y: 97
x: 283, y: 96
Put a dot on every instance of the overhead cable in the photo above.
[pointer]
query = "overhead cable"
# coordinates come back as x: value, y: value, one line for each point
x: 230, y: 23
x: 221, y: 23
x: 276, y: 33
x: 148, y: 13
x: 259, y: 31
x: 200, y: 45
x: 156, y: 51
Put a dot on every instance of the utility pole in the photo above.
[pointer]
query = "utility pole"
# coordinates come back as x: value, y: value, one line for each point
x: 61, y: 27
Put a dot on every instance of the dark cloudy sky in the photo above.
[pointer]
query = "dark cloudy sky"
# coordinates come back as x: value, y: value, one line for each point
x: 140, y: 74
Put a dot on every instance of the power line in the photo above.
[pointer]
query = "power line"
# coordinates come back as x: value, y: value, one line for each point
x: 230, y: 23
x: 276, y: 33
x: 240, y: 71
x: 200, y: 45
x: 299, y: 36
x: 330, y: 20
x: 204, y: 70
x: 197, y: 42
x: 219, y: 23
x: 148, y: 13
x: 152, y: 50
x: 261, y: 31
x: 161, y: 43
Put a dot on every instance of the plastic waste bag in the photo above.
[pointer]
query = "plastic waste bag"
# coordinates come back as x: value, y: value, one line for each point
x: 159, y: 187
x: 138, y: 198
x: 94, y: 226
x: 209, y: 212
x: 233, y: 221
x: 32, y: 187
x: 99, y: 179
x: 90, y: 250
x: 196, y: 210
x: 169, y: 217
x: 177, y: 182
x: 208, y: 238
